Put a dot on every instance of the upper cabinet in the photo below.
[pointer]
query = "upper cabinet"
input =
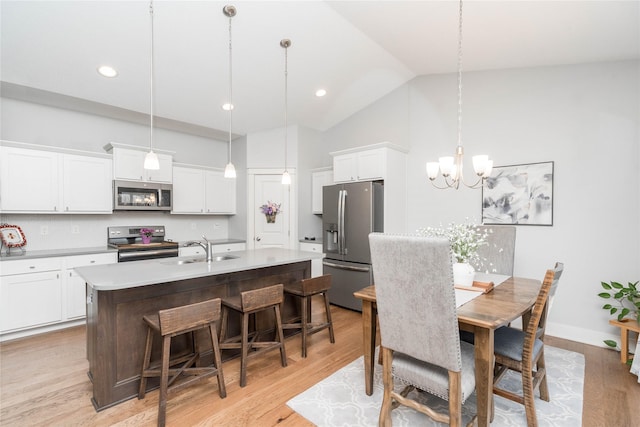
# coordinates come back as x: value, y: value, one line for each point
x: 41, y: 181
x: 202, y: 191
x: 319, y: 179
x: 365, y: 165
x: 128, y: 163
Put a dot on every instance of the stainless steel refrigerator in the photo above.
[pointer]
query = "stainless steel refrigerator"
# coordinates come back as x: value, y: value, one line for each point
x: 349, y: 213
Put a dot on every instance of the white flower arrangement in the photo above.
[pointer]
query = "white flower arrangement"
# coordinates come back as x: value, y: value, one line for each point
x: 465, y: 240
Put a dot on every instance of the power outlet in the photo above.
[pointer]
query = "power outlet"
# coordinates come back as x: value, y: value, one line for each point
x: 75, y: 229
x: 44, y: 230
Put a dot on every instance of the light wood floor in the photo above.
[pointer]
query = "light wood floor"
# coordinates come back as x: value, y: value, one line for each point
x: 44, y: 383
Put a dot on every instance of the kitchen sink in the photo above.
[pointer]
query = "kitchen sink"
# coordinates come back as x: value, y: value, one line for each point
x: 197, y: 260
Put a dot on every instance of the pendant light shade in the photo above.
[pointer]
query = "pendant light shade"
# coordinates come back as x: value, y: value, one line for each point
x: 230, y: 170
x: 286, y: 178
x: 151, y: 160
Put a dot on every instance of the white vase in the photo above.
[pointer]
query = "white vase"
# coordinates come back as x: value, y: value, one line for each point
x: 463, y: 274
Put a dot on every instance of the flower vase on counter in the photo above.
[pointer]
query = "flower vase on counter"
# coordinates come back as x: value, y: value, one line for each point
x: 145, y: 234
x: 463, y: 274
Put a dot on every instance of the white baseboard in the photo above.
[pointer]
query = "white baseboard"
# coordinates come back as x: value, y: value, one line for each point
x: 8, y: 336
x: 585, y: 336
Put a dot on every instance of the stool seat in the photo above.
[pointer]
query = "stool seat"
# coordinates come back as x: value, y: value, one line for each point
x: 179, y: 372
x: 306, y: 289
x: 249, y: 303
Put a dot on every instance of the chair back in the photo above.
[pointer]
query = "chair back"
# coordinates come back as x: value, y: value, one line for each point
x: 257, y: 299
x: 188, y: 317
x: 316, y: 285
x: 415, y: 297
x: 497, y: 256
x: 557, y: 272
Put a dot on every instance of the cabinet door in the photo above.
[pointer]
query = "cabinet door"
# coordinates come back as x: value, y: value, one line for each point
x: 371, y: 164
x: 220, y: 193
x: 28, y: 300
x: 165, y: 173
x: 344, y: 168
x: 188, y: 190
x: 128, y: 164
x: 87, y: 184
x: 319, y: 180
x: 230, y: 247
x: 29, y: 180
x: 76, y: 296
x: 195, y: 250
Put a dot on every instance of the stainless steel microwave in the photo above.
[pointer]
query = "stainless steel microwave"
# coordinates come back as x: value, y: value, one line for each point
x: 141, y: 196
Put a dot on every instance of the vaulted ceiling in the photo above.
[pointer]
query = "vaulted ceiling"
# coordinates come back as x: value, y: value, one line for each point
x: 357, y: 50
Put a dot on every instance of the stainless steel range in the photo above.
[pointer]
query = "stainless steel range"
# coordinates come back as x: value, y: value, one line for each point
x: 128, y: 241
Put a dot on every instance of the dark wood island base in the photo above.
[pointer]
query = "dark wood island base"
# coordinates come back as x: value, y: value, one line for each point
x: 116, y: 333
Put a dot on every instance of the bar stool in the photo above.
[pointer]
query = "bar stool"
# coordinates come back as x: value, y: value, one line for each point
x: 249, y: 303
x: 305, y: 290
x: 173, y: 322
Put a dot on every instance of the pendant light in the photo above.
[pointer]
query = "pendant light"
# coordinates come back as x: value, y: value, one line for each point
x: 286, y: 178
x: 451, y: 166
x: 151, y: 159
x: 229, y: 169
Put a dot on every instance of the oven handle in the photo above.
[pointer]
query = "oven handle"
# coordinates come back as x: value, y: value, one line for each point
x: 133, y: 254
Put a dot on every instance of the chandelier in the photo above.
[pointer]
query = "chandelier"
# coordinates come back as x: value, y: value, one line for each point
x: 230, y: 170
x: 451, y: 166
x: 151, y: 159
x: 286, y: 178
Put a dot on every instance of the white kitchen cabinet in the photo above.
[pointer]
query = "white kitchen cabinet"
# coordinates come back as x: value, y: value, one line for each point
x: 202, y: 191
x: 195, y: 250
x: 74, y: 305
x: 229, y: 247
x: 30, y: 299
x: 366, y: 165
x: 316, y: 264
x: 318, y: 180
x: 128, y: 164
x: 52, y: 182
x: 29, y: 180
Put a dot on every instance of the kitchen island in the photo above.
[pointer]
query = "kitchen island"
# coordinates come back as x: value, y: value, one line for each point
x: 119, y: 295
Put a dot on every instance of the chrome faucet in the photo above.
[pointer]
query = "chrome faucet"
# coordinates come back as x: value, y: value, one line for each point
x: 207, y: 248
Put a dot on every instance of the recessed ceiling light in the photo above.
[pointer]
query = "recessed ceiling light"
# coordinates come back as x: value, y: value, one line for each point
x: 107, y: 71
x: 227, y: 106
x: 320, y: 93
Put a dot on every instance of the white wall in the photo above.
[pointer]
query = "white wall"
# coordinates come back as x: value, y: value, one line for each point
x: 585, y: 118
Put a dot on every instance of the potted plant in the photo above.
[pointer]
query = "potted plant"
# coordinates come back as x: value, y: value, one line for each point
x: 465, y: 241
x: 625, y: 306
x: 146, y: 234
x: 270, y: 210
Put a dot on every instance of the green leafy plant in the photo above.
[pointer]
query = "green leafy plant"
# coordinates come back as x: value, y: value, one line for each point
x: 626, y: 304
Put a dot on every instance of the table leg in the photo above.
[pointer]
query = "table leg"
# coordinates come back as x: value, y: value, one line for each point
x: 484, y: 374
x: 369, y: 341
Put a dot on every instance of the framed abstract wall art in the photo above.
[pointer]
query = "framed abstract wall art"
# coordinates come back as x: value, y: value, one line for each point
x: 519, y: 194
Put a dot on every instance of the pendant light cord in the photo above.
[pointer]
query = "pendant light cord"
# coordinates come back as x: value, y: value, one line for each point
x: 460, y: 76
x: 230, y: 89
x: 151, y: 80
x: 286, y: 104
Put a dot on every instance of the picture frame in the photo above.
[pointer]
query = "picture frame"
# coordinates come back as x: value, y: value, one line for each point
x: 12, y: 236
x: 519, y: 195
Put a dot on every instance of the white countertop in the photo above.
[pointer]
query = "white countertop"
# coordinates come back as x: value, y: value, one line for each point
x: 125, y: 275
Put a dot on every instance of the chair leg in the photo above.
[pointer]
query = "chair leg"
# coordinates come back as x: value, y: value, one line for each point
x: 384, y: 419
x: 218, y: 361
x: 527, y: 391
x: 145, y: 364
x: 223, y: 323
x: 455, y: 402
x: 283, y: 354
x: 305, y: 312
x: 541, y: 367
x: 164, y: 379
x: 245, y: 349
x: 327, y: 308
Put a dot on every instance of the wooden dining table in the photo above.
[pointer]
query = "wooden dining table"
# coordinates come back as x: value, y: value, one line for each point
x: 508, y: 301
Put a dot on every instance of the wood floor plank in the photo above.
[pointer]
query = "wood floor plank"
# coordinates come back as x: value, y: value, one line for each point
x: 43, y: 382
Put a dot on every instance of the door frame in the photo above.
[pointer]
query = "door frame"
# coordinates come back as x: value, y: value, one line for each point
x: 293, y: 206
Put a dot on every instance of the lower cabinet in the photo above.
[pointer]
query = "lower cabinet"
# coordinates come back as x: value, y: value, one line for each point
x: 316, y: 264
x: 44, y: 293
x: 197, y: 250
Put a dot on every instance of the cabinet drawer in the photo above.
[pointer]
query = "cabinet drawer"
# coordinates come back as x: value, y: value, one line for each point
x: 191, y: 251
x: 229, y: 247
x: 311, y: 247
x: 92, y: 259
x: 36, y: 265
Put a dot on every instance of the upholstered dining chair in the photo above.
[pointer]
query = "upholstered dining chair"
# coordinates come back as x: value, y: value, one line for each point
x: 523, y: 350
x: 497, y: 256
x: 420, y: 342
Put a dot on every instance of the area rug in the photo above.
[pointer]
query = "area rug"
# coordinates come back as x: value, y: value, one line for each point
x: 340, y: 399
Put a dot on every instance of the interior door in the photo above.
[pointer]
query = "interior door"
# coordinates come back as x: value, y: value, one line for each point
x: 269, y: 188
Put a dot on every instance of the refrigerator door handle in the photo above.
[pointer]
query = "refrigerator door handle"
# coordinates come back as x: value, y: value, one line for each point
x: 340, y: 221
x: 343, y: 238
x: 345, y: 267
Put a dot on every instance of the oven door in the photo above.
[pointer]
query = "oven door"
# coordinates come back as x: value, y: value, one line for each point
x: 138, y: 255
